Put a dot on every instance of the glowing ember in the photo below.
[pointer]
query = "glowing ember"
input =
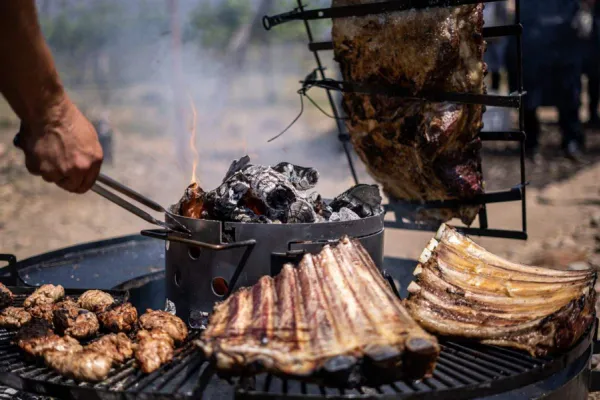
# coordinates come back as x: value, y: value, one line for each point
x: 193, y: 140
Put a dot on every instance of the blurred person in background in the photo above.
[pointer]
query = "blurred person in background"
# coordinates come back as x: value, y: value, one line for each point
x: 59, y: 143
x: 554, y: 34
x: 495, y: 14
x: 591, y: 67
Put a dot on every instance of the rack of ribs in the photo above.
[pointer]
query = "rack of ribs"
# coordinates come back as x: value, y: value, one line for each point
x: 462, y: 290
x: 333, y: 319
x: 417, y: 150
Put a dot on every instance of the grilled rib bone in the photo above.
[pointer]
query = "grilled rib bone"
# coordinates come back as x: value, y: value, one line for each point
x: 463, y: 290
x: 318, y: 321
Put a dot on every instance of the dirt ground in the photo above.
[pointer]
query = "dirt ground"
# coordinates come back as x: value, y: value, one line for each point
x: 36, y: 217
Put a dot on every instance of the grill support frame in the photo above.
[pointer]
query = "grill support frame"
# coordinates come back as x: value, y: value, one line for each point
x: 512, y: 101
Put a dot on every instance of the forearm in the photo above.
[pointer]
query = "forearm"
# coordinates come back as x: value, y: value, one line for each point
x: 28, y: 77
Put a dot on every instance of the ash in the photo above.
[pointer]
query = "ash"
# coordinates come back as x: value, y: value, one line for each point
x: 279, y: 194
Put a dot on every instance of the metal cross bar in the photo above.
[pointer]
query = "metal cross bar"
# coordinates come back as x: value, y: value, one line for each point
x: 512, y: 101
x: 361, y: 10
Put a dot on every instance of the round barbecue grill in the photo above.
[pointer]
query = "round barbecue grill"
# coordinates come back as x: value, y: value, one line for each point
x: 464, y: 371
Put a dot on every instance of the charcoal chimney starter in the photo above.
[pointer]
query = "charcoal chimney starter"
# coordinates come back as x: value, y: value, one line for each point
x: 197, y: 276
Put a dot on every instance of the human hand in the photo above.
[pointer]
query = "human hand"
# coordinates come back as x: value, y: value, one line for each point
x: 62, y: 148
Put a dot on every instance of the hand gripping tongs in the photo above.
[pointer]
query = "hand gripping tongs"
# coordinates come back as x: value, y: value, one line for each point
x: 171, y: 226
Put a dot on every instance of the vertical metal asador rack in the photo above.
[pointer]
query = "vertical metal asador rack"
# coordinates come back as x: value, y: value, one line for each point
x: 514, y: 100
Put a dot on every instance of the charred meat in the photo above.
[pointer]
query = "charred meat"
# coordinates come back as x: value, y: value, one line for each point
x: 73, y: 321
x: 42, y: 311
x: 37, y: 337
x: 332, y: 316
x: 117, y: 346
x: 83, y: 365
x: 45, y: 294
x: 154, y: 348
x: 167, y: 322
x: 462, y: 290
x: 95, y: 300
x: 119, y: 318
x: 14, y: 317
x: 417, y: 150
x: 6, y: 296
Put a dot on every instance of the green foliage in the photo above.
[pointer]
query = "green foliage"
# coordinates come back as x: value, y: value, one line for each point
x: 83, y: 28
x: 92, y: 26
x: 213, y: 25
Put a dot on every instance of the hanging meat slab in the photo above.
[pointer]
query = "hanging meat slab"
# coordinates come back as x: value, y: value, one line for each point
x: 417, y: 150
x: 462, y: 290
x: 333, y: 319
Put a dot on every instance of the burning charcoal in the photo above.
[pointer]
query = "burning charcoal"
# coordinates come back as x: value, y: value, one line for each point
x: 191, y: 204
x: 222, y: 202
x: 301, y: 177
x: 237, y: 165
x: 261, y: 194
x: 242, y: 214
x: 345, y: 214
x: 259, y: 189
x: 301, y: 212
x: 362, y: 199
x: 320, y: 207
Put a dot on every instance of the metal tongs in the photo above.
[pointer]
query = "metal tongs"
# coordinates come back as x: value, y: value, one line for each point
x: 172, y: 225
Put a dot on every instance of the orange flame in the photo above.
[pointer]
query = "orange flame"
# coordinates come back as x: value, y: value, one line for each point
x: 193, y: 139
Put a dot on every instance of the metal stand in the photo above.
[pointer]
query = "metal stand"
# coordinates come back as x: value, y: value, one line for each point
x: 514, y: 100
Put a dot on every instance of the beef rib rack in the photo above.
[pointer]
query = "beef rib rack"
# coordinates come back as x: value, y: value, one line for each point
x: 332, y: 320
x: 462, y: 290
x: 417, y: 150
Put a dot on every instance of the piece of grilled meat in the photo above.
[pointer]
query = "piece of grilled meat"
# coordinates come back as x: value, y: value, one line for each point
x: 82, y: 365
x: 42, y: 311
x: 14, y: 317
x: 119, y: 318
x: 73, y: 321
x: 418, y: 150
x: 95, y: 300
x: 154, y: 348
x: 462, y: 290
x: 117, y: 346
x: 167, y: 322
x: 6, y: 296
x: 37, y: 337
x: 45, y: 294
x: 333, y: 318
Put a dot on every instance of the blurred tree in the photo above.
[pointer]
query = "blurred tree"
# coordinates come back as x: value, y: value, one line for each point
x: 214, y: 25
x: 90, y: 38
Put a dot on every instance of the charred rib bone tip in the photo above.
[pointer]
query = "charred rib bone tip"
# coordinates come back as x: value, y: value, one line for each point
x: 421, y: 346
x: 383, y: 354
x: 340, y: 363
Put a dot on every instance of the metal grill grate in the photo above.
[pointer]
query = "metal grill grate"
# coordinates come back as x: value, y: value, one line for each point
x: 464, y: 370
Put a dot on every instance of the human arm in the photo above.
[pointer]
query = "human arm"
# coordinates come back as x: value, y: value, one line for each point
x: 59, y: 143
